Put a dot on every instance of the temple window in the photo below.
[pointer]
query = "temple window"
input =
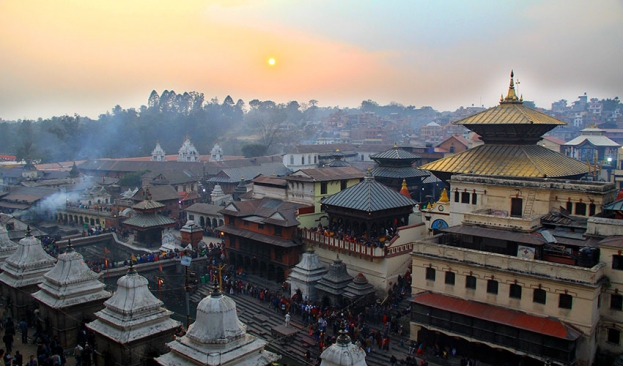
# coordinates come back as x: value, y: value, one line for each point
x: 470, y: 282
x: 565, y: 301
x: 580, y: 209
x: 515, y: 291
x: 464, y: 197
x: 430, y: 274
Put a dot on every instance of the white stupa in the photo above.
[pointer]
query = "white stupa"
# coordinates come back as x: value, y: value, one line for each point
x: 217, y: 337
x: 188, y: 152
x: 343, y: 353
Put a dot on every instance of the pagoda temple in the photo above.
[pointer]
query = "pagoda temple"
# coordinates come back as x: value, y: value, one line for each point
x: 7, y: 246
x: 367, y: 211
x: 69, y: 295
x: 217, y: 337
x: 331, y: 286
x: 343, y: 353
x: 22, y: 273
x: 338, y: 160
x: 133, y: 326
x: 148, y: 224
x: 306, y: 274
x: 395, y: 166
x: 510, y: 132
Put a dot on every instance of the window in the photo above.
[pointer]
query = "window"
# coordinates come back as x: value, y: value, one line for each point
x: 470, y: 282
x: 323, y: 188
x: 474, y: 198
x: 580, y: 209
x: 617, y: 262
x: 456, y: 196
x: 569, y: 207
x: 260, y: 226
x: 592, y: 209
x: 464, y: 197
x: 277, y: 230
x: 291, y: 159
x: 539, y: 296
x: 614, y: 336
x: 191, y: 217
x: 246, y: 223
x: 515, y: 291
x: 450, y: 278
x: 315, y: 159
x: 616, y: 302
x: 343, y: 184
x: 430, y: 273
x: 492, y: 287
x: 516, y: 207
x: 565, y: 301
x: 302, y: 160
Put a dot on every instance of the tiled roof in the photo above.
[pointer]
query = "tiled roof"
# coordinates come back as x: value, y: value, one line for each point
x: 158, y: 193
x: 204, y: 208
x: 395, y: 153
x: 234, y: 175
x: 269, y: 239
x: 369, y: 196
x: 547, y: 326
x: 148, y: 221
x: 509, y: 160
x: 148, y: 205
x: 399, y: 172
x: 270, y: 210
x: 270, y: 180
x: 511, y: 113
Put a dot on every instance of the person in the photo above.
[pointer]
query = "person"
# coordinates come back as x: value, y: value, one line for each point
x: 393, y: 360
x: 78, y: 354
x: 287, y: 319
x: 8, y: 341
x: 7, y: 359
x: 23, y: 326
x: 86, y: 355
x: 31, y: 361
x: 18, y: 359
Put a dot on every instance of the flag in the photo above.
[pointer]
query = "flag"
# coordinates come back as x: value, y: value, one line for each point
x: 134, y: 258
x: 106, y: 250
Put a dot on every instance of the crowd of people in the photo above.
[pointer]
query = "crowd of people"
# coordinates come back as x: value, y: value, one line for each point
x: 339, y: 232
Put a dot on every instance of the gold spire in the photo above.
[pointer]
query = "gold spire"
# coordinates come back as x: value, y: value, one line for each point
x: 511, y: 97
x: 443, y: 198
x: 404, y: 190
x: 395, y: 145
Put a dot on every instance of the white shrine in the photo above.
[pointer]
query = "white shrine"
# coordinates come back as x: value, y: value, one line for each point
x: 69, y: 295
x: 188, y: 152
x: 158, y: 153
x: 306, y: 274
x: 7, y: 246
x: 22, y: 273
x: 217, y: 337
x: 343, y: 353
x: 133, y: 326
x: 216, y: 154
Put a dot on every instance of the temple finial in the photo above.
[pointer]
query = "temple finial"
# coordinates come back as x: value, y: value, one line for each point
x: 70, y: 248
x: 216, y: 291
x: 511, y: 97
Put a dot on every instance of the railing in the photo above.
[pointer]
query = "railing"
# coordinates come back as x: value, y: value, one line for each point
x: 372, y: 251
x: 501, y: 219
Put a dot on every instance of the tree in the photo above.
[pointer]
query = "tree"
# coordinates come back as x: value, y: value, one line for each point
x: 132, y: 179
x: 254, y: 150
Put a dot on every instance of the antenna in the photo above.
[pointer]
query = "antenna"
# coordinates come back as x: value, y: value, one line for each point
x: 517, y: 85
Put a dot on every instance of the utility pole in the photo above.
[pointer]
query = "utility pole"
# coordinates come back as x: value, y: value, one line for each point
x: 186, y: 261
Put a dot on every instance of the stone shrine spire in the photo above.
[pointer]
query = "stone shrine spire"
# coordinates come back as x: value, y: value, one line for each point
x: 188, y: 152
x: 216, y: 154
x: 158, y: 153
x: 217, y: 337
x: 7, y: 246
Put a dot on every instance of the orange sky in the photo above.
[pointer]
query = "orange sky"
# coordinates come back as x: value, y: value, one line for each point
x: 65, y: 57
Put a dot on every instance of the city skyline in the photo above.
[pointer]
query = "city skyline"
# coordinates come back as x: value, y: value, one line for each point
x: 86, y: 57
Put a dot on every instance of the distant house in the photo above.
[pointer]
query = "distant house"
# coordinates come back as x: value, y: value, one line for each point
x: 453, y: 144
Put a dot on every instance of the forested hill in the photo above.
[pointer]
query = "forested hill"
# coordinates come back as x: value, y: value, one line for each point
x: 169, y: 118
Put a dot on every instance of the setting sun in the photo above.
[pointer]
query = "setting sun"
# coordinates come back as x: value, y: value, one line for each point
x: 271, y: 61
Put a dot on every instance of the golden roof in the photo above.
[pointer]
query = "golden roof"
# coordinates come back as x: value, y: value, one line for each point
x: 508, y: 160
x: 510, y: 111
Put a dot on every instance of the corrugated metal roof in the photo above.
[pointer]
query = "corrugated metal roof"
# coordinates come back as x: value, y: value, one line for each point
x: 398, y: 172
x: 509, y: 113
x: 369, y: 196
x: 148, y: 205
x: 395, y: 153
x: 325, y: 174
x: 593, y: 140
x: 258, y: 237
x: 204, y: 208
x: 249, y: 172
x: 509, y: 161
x: 547, y: 326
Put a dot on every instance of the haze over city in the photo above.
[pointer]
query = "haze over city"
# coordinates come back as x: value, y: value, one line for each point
x: 85, y: 57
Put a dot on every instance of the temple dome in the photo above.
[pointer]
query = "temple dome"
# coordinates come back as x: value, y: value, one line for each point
x: 217, y: 321
x: 343, y: 353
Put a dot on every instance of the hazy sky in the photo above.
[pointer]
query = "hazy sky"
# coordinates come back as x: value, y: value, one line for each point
x: 64, y: 57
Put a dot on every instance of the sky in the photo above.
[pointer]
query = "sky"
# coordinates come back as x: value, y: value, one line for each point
x: 86, y: 56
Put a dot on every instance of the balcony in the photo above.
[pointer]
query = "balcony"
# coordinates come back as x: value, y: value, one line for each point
x: 502, y: 219
x: 538, y: 268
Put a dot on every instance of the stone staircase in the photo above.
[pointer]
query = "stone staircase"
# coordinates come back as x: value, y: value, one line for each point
x: 260, y: 318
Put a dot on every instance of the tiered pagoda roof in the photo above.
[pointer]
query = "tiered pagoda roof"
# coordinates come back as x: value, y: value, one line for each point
x: 27, y: 265
x: 309, y: 269
x: 70, y: 282
x: 217, y: 337
x: 369, y: 196
x: 510, y: 132
x: 360, y: 287
x: 396, y: 163
x: 133, y: 312
x: 336, y: 280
